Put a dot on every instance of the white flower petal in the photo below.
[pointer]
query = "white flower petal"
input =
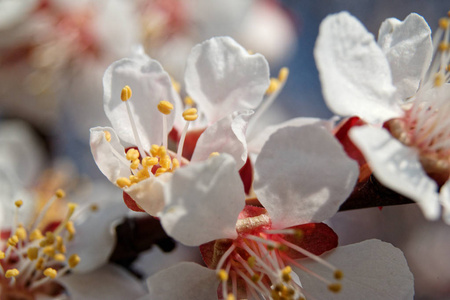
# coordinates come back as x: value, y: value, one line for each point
x: 408, y: 48
x: 150, y: 84
x: 302, y: 175
x: 222, y: 77
x: 397, y: 167
x: 225, y: 136
x: 107, y: 154
x: 95, y: 228
x: 109, y: 282
x: 185, y: 280
x: 21, y: 151
x: 203, y: 201
x: 149, y: 193
x: 255, y: 145
x: 372, y: 270
x: 355, y: 75
x: 155, y: 260
x: 444, y: 199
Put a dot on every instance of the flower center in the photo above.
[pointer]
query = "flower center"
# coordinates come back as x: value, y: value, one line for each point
x: 258, y: 263
x: 30, y: 259
x: 158, y: 160
x: 425, y: 124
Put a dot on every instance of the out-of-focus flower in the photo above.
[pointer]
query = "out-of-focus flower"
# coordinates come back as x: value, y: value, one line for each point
x: 251, y: 252
x: 143, y: 106
x: 402, y: 81
x: 55, y: 51
x: 43, y: 240
x: 171, y: 28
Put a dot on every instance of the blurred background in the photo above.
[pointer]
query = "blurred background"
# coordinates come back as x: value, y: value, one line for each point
x: 53, y: 54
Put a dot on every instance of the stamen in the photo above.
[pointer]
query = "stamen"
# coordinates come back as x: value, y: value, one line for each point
x: 280, y: 82
x: 165, y: 107
x: 189, y: 115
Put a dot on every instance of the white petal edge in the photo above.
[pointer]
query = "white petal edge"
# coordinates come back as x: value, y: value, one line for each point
x: 444, y: 199
x: 225, y: 136
x: 373, y: 270
x: 222, y: 77
x: 150, y: 84
x: 355, y: 74
x: 397, y: 167
x: 255, y: 144
x: 96, y: 228
x: 185, y: 280
x: 109, y: 282
x: 303, y: 175
x: 408, y: 48
x: 203, y: 201
x: 107, y: 155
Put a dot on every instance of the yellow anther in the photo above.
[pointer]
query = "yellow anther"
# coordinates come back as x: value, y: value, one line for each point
x: 273, y: 86
x: 12, y: 241
x: 154, y: 150
x: 36, y: 235
x: 11, y: 273
x: 2, y: 255
x: 222, y: 275
x: 60, y: 244
x: 190, y: 114
x: 60, y: 193
x: 444, y: 23
x: 144, y: 173
x: 149, y: 161
x: 40, y: 264
x: 126, y: 93
x: 74, y: 260
x: 162, y: 151
x: 49, y: 272
x: 32, y: 253
x: 188, y: 101
x: 18, y: 203
x: 443, y: 46
x: 94, y: 207
x: 70, y: 228
x: 165, y: 107
x: 286, y: 274
x: 283, y: 74
x: 256, y: 277
x: 134, y: 179
x: 338, y: 274
x: 439, y: 80
x: 59, y: 257
x: 231, y: 297
x: 160, y: 171
x: 71, y: 206
x: 175, y: 164
x: 21, y: 233
x: 132, y: 154
x: 335, y: 287
x: 49, y: 251
x: 123, y: 182
x: 135, y: 164
x: 214, y: 154
x: 251, y: 261
x: 165, y: 161
x: 270, y: 247
x: 107, y: 135
x: 50, y: 237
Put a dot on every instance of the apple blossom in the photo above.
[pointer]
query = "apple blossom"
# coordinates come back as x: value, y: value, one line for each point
x: 302, y: 176
x: 143, y: 106
x: 401, y: 82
